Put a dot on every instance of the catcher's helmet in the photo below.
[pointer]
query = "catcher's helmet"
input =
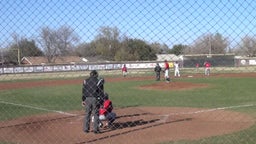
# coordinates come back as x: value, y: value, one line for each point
x: 94, y: 73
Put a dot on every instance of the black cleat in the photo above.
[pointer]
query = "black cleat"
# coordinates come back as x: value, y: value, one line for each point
x: 97, y: 132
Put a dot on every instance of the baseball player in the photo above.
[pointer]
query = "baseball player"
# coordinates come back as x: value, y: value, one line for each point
x: 92, y: 87
x: 166, y: 71
x: 176, y: 69
x: 157, y: 70
x: 124, y: 70
x: 207, y: 66
x: 106, y: 112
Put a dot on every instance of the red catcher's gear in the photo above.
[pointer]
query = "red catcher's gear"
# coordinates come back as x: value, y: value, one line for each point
x: 107, y: 107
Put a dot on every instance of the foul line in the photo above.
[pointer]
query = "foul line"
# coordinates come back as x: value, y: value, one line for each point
x: 180, y: 113
x: 37, y: 108
x: 213, y: 109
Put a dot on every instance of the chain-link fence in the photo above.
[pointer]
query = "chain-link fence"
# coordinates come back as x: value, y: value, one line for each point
x: 202, y: 91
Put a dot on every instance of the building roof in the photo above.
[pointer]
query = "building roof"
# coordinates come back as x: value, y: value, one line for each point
x: 58, y: 60
x: 168, y: 57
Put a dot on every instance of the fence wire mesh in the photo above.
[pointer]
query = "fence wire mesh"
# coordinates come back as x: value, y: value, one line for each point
x: 206, y: 95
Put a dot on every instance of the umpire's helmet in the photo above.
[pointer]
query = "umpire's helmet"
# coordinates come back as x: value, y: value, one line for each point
x: 94, y: 73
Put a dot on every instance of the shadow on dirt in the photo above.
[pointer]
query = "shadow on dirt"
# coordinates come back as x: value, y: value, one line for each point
x: 136, y: 125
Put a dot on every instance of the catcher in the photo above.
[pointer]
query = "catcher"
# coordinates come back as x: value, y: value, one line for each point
x: 106, y: 113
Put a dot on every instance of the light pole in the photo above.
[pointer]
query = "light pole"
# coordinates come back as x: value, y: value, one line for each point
x: 18, y: 51
x: 2, y: 56
x: 16, y: 38
x: 210, y: 46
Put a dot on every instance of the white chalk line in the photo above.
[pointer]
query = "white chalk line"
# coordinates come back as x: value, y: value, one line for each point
x: 213, y: 109
x: 165, y: 116
x: 164, y: 119
x: 38, y: 108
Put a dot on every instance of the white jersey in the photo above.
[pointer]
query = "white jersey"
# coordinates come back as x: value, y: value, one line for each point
x: 176, y: 70
x: 176, y: 66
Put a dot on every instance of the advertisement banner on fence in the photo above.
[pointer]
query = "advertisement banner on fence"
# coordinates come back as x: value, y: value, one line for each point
x: 18, y: 69
x: 39, y: 69
x: 67, y: 67
x: 28, y: 69
x: 141, y: 65
x: 8, y: 70
x: 83, y: 67
x: 252, y: 62
x: 48, y: 68
x: 97, y: 67
x: 58, y: 68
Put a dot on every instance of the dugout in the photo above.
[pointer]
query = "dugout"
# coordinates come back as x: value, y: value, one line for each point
x: 216, y: 60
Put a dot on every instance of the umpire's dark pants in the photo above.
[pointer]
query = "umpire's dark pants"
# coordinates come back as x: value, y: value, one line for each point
x: 91, y: 108
x: 157, y: 76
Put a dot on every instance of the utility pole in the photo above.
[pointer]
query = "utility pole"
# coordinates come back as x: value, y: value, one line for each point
x: 16, y: 39
x: 2, y: 56
x: 210, y: 46
x: 18, y: 50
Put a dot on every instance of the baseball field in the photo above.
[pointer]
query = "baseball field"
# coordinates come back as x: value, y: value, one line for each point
x: 191, y: 109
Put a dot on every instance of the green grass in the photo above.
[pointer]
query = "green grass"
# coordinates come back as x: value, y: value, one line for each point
x: 222, y: 92
x: 242, y: 137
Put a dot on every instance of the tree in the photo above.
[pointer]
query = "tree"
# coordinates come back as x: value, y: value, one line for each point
x: 58, y: 42
x: 178, y: 49
x: 67, y: 39
x: 135, y: 49
x: 160, y: 48
x: 86, y: 50
x: 109, y: 45
x: 219, y: 45
x: 21, y: 47
x: 107, y: 42
x: 248, y: 46
x: 208, y: 44
x: 49, y: 43
x: 28, y: 48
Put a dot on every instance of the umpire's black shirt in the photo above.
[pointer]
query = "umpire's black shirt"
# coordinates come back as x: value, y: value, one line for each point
x: 90, y: 88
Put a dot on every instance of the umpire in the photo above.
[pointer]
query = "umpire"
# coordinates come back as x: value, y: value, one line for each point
x: 157, y: 70
x: 91, y: 95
